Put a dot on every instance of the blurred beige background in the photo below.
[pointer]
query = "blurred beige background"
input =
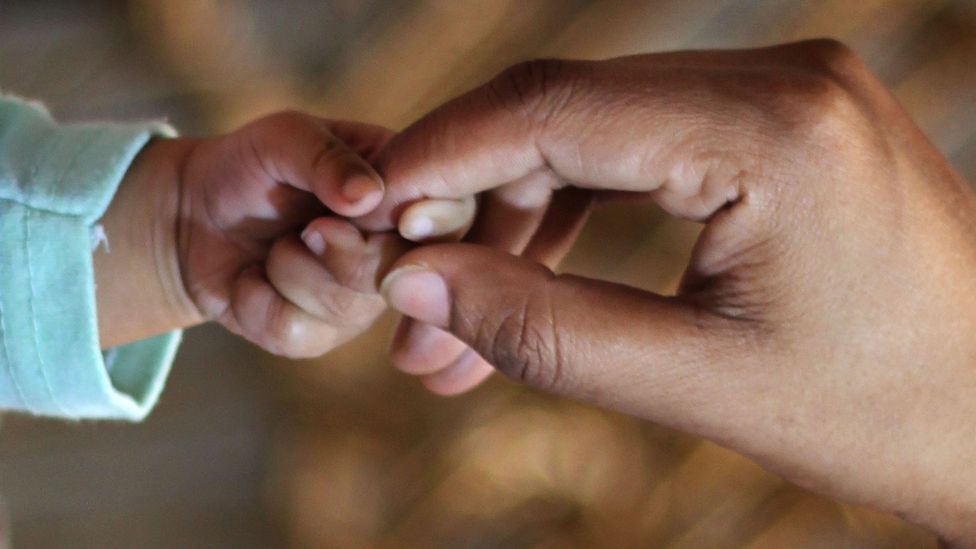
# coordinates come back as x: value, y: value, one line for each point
x: 249, y: 451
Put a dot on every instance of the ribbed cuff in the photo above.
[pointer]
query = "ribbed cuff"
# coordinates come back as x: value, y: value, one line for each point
x: 55, y: 182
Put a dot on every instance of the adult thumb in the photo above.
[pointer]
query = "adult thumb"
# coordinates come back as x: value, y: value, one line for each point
x: 604, y: 343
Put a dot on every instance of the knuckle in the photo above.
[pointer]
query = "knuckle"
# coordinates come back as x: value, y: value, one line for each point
x: 524, y: 344
x: 830, y: 56
x: 531, y: 87
x: 812, y: 103
x: 286, y: 335
x: 820, y: 80
x: 289, y: 334
x: 348, y: 308
x: 360, y: 273
x: 819, y: 102
x: 833, y: 76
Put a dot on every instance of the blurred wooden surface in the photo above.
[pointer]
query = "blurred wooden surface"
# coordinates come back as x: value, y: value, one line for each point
x: 342, y: 452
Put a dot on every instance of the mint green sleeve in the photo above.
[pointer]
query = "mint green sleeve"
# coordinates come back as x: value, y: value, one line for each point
x: 55, y: 184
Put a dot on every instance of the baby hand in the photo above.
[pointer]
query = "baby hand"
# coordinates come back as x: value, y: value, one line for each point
x: 212, y: 229
x: 215, y: 221
x: 245, y: 197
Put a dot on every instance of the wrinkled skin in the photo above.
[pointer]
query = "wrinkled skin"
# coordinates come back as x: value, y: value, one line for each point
x: 826, y: 324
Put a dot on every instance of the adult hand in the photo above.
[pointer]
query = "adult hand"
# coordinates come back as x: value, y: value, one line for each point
x: 826, y: 322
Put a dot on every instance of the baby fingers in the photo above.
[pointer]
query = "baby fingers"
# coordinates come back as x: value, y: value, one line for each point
x: 304, y: 152
x: 352, y: 259
x: 316, y: 294
x: 304, y: 281
x: 259, y: 312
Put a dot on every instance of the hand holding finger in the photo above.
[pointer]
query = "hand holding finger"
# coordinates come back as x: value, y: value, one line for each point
x: 524, y: 216
x: 830, y: 292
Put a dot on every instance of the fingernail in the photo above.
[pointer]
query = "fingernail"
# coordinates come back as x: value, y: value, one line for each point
x: 437, y: 218
x: 314, y: 241
x: 358, y: 186
x: 418, y: 292
x: 417, y: 228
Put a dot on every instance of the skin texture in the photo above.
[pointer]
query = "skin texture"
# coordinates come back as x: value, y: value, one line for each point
x: 825, y: 325
x: 526, y: 218
x: 244, y: 229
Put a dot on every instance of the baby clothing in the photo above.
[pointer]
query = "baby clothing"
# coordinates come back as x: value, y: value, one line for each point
x: 56, y: 181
